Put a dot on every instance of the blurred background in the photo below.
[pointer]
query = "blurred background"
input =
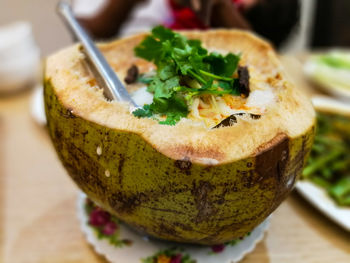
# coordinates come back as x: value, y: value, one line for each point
x: 293, y: 26
x: 36, y: 196
x: 323, y: 23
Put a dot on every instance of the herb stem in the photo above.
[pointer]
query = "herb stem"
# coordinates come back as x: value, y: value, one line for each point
x: 199, y: 78
x: 214, y: 76
x: 201, y: 91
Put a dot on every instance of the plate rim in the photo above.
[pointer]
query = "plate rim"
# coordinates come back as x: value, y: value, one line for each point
x: 324, y: 207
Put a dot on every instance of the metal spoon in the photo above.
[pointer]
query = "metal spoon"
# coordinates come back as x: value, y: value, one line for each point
x: 107, y: 78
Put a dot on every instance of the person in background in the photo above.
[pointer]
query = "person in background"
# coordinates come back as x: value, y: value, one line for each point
x: 272, y: 19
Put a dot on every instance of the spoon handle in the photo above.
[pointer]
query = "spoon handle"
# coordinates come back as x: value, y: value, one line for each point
x: 113, y: 88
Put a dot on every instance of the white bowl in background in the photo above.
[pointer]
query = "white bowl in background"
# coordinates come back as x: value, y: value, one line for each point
x: 15, y: 39
x: 20, y: 72
x: 19, y: 57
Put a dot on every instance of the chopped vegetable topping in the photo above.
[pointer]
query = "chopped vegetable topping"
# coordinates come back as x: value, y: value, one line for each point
x: 185, y: 70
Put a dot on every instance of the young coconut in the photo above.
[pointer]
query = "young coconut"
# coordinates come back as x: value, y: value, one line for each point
x: 195, y: 181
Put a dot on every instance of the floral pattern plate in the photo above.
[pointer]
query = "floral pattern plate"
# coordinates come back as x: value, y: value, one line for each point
x: 119, y: 244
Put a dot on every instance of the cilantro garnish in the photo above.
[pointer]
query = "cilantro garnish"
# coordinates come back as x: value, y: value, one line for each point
x: 184, y: 69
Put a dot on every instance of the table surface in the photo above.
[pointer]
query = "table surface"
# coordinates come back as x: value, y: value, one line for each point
x: 38, y: 216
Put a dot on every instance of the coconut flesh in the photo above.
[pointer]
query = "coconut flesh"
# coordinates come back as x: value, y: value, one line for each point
x: 188, y: 182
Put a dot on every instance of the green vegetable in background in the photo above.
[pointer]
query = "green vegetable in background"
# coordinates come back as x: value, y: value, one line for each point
x: 329, y: 163
x: 184, y: 70
x: 332, y: 70
x: 336, y: 60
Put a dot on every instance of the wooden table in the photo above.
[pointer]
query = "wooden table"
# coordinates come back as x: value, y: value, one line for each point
x: 38, y: 220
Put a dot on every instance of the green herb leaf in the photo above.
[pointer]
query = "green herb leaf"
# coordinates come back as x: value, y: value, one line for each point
x: 167, y: 72
x: 149, y: 49
x: 145, y: 79
x: 163, y: 89
x: 222, y: 66
x: 143, y: 112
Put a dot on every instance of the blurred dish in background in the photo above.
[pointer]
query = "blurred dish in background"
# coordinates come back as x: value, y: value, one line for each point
x: 37, y: 108
x: 327, y: 175
x: 19, y: 57
x: 331, y: 72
